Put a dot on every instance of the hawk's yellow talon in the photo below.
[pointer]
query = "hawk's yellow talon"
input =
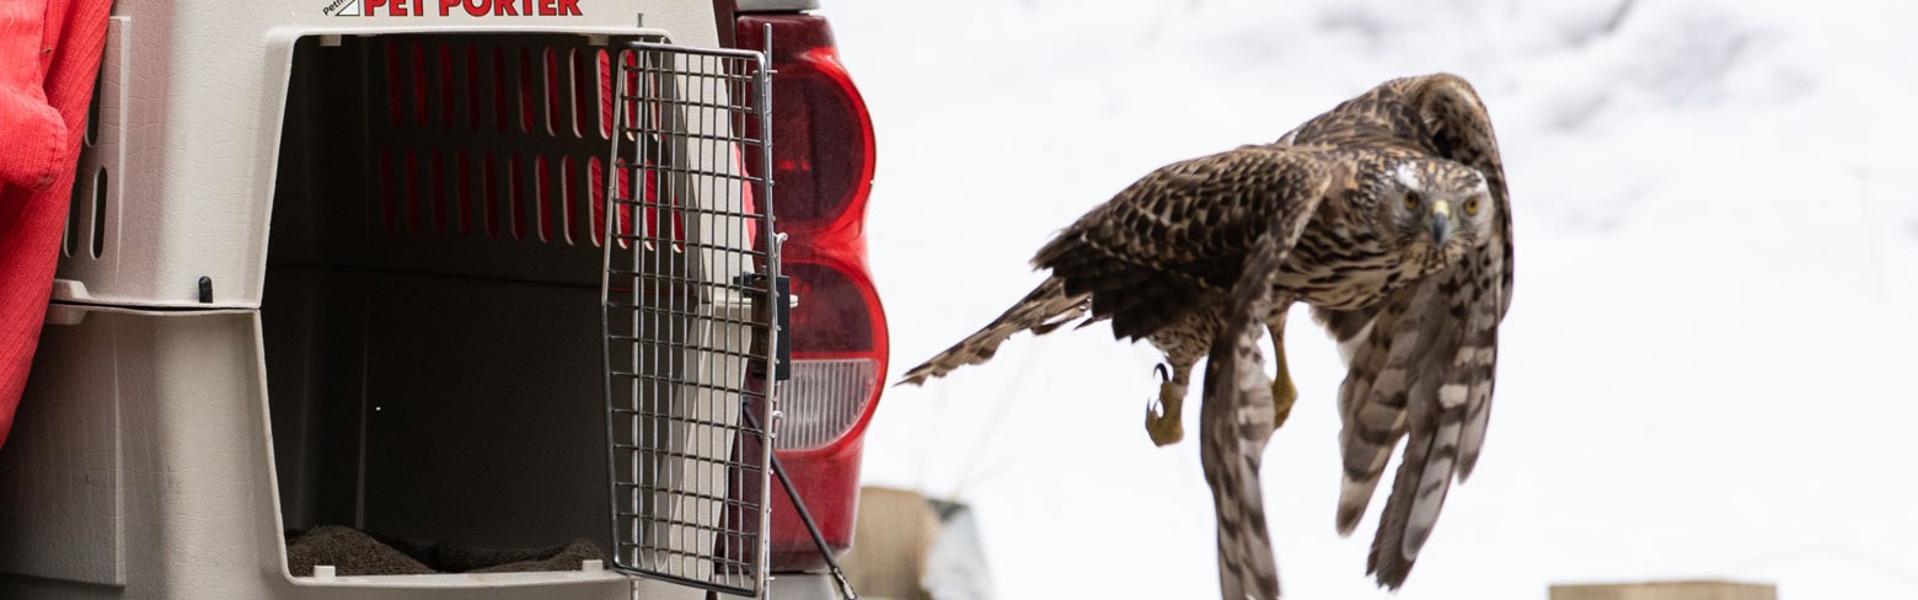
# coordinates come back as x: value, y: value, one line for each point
x: 1284, y: 393
x: 1165, y: 426
x: 1282, y: 397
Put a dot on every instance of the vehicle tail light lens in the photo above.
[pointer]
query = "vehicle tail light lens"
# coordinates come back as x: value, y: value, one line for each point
x: 838, y: 360
x: 830, y: 157
x: 814, y: 401
x: 822, y: 162
x: 822, y: 134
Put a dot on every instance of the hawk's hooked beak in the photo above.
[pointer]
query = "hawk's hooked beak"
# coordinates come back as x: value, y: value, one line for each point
x: 1441, y: 222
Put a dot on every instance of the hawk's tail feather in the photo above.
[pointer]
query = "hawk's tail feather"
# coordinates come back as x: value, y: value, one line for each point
x: 1424, y: 477
x: 1434, y: 420
x: 1372, y: 401
x: 1041, y: 312
x: 1388, y: 561
x: 1374, y: 422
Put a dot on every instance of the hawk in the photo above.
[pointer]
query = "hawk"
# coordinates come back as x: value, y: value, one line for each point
x: 1389, y: 217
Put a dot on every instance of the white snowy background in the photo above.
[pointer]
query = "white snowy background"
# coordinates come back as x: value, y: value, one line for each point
x: 1706, y: 372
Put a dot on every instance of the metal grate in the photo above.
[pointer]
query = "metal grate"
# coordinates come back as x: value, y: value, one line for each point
x: 689, y: 324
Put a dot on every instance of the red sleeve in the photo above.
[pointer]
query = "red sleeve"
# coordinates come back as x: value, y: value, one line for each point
x: 49, y: 58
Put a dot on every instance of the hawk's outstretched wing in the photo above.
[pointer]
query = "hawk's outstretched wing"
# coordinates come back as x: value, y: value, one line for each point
x: 1421, y: 362
x: 1149, y: 254
x: 1237, y: 415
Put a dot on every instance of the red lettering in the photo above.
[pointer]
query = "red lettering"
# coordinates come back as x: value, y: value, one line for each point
x: 473, y: 8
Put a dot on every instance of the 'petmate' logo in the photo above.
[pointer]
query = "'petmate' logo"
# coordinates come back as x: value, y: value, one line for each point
x: 447, y: 8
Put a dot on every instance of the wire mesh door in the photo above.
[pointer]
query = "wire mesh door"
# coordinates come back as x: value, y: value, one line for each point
x: 689, y: 326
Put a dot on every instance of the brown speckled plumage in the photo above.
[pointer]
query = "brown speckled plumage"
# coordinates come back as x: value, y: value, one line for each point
x: 1389, y: 216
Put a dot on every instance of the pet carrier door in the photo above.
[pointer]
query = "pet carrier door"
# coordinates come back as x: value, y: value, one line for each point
x: 690, y: 257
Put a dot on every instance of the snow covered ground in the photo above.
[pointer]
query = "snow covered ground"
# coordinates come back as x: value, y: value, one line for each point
x: 1706, y: 372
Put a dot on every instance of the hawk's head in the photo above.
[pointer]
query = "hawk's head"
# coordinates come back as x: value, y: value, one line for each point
x: 1439, y: 207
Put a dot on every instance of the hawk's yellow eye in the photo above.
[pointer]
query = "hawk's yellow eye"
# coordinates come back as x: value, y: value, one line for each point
x: 1471, y: 206
x: 1411, y: 201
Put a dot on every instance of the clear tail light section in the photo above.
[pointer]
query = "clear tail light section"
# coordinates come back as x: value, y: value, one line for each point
x: 815, y: 407
x: 822, y: 175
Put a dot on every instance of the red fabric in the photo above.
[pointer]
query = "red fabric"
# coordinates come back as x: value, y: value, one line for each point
x: 49, y: 57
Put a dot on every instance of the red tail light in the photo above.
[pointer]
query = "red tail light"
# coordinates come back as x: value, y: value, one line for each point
x: 822, y: 174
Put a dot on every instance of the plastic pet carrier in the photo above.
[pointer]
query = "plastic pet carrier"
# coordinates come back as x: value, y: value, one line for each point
x: 365, y: 304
